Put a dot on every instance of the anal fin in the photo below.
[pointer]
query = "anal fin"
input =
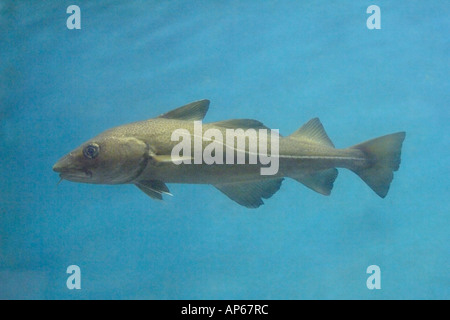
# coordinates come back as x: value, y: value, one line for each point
x: 250, y: 194
x: 319, y: 181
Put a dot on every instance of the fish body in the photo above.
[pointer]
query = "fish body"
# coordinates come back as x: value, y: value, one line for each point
x: 142, y: 153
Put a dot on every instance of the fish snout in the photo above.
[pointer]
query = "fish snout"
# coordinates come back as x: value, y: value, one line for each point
x: 57, y: 167
x: 69, y: 169
x: 61, y: 165
x: 65, y: 164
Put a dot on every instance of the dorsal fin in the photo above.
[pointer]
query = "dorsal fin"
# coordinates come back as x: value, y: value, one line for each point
x: 240, y: 123
x: 192, y: 111
x: 313, y: 131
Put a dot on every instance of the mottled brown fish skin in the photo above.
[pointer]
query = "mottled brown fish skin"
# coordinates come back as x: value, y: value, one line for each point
x: 140, y: 153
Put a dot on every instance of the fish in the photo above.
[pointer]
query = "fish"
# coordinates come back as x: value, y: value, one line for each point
x: 168, y: 149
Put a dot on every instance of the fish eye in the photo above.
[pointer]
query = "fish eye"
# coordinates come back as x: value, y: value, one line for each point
x: 91, y: 151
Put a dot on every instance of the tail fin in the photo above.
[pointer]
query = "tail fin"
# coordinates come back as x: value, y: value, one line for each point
x: 385, y: 152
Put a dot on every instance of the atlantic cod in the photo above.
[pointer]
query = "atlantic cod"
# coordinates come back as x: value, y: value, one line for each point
x: 140, y: 153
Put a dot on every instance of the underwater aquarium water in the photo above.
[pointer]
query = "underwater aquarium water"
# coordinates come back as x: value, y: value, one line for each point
x: 67, y: 75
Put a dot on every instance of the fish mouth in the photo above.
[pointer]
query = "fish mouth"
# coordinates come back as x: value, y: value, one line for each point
x: 76, y: 175
x: 69, y: 172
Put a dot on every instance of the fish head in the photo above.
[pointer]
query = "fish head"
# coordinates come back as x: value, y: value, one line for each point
x: 105, y: 159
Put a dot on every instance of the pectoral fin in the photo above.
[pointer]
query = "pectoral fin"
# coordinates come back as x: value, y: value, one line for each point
x: 250, y: 194
x: 153, y: 188
x: 162, y: 159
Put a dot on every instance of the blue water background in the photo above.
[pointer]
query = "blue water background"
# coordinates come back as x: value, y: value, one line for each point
x: 280, y: 62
